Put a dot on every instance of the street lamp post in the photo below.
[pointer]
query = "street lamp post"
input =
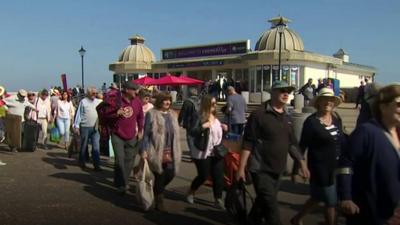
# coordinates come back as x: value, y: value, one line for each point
x: 82, y: 52
x: 280, y: 28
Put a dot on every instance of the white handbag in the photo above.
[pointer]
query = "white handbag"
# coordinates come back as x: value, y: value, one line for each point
x: 145, y: 182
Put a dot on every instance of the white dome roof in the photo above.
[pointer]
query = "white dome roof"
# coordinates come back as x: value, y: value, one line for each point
x: 269, y: 40
x: 137, y: 52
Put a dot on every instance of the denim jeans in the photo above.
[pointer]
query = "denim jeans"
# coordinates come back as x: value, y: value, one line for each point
x: 237, y: 128
x: 92, y: 134
x: 190, y: 142
x: 64, y: 126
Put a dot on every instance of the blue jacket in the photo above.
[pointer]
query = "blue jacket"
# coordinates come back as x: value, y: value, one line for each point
x: 369, y: 174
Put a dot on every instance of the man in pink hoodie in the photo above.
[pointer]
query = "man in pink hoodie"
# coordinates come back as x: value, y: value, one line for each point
x: 126, y: 114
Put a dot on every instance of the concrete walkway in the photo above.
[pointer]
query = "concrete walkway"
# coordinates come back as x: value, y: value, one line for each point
x: 47, y: 187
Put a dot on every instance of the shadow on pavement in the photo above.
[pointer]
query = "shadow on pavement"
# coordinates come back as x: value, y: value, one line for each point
x: 178, y: 194
x: 219, y: 216
x: 175, y: 219
x: 5, y: 149
x: 290, y: 187
x: 60, y: 160
x: 98, y: 184
x: 101, y: 188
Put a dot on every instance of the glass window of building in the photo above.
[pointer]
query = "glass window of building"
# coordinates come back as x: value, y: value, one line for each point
x: 266, y: 78
x: 285, y: 73
x: 258, y: 83
x: 275, y: 73
x: 252, y: 81
x: 294, y: 76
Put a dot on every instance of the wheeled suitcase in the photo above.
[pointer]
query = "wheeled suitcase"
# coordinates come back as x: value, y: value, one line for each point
x: 30, y: 135
x: 13, y: 130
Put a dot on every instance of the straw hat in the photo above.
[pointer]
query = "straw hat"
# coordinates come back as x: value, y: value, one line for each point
x: 2, y: 90
x: 326, y: 93
x: 22, y: 93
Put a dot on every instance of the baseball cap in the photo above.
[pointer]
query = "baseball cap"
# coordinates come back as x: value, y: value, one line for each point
x: 132, y: 86
x: 280, y: 84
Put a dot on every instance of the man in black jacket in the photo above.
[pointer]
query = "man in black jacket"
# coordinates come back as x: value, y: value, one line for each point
x: 188, y: 114
x: 268, y: 138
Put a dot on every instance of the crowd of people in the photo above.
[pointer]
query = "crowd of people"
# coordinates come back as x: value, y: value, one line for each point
x: 310, y: 90
x: 358, y: 174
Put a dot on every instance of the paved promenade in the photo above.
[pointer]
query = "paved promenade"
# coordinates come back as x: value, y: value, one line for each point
x: 47, y: 188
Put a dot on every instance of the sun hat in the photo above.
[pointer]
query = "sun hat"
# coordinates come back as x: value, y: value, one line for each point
x: 2, y: 90
x: 280, y: 84
x: 22, y: 93
x: 326, y: 93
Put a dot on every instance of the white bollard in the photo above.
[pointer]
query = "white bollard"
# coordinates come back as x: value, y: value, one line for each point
x: 245, y: 95
x: 298, y: 102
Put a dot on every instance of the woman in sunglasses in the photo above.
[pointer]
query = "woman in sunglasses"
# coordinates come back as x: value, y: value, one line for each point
x: 204, y: 157
x: 369, y: 174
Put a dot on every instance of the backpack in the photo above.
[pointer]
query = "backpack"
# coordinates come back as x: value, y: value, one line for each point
x: 196, y: 104
x: 110, y: 104
x: 190, y: 118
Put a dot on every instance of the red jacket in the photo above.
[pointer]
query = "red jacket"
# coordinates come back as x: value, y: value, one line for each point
x: 124, y: 126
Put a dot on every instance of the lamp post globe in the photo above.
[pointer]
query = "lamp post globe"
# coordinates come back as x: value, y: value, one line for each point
x: 82, y: 52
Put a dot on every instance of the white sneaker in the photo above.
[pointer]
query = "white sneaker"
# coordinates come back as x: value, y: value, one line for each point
x: 2, y: 139
x: 190, y: 199
x: 2, y: 163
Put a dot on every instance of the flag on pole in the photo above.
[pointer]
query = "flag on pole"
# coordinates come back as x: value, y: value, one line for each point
x: 64, y: 81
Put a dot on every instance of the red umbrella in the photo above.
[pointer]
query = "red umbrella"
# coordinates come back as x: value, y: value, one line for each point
x: 144, y: 81
x: 171, y: 80
x: 191, y: 80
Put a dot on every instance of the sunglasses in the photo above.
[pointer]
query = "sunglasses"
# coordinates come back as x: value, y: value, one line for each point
x: 285, y: 90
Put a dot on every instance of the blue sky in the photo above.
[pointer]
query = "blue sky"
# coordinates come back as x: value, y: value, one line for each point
x: 40, y: 39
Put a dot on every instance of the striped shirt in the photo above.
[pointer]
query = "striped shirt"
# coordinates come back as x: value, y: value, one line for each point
x: 335, y: 133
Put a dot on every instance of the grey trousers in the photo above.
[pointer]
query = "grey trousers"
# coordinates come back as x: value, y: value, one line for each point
x: 266, y: 204
x: 125, y: 153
